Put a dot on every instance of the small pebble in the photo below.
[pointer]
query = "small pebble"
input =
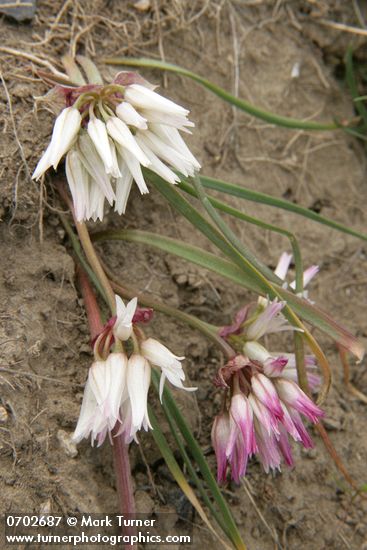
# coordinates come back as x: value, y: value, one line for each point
x: 66, y: 444
x: 180, y: 279
x: 361, y: 529
x: 45, y: 507
x: 85, y: 348
x: 17, y: 11
x: 255, y: 532
x: 309, y: 453
x: 3, y: 414
x: 296, y: 70
x: 144, y: 503
x: 142, y: 5
x: 332, y: 424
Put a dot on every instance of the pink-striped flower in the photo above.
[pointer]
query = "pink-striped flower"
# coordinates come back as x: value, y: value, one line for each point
x: 267, y: 317
x: 220, y: 437
x: 263, y: 412
x: 269, y: 320
x: 284, y: 364
x: 282, y: 267
x: 254, y: 321
x: 266, y: 401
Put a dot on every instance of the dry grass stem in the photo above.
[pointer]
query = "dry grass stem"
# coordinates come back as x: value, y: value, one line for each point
x: 341, y: 27
x: 271, y: 530
x: 18, y: 4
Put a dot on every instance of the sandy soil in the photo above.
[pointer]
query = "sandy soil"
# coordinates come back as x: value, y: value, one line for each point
x: 45, y: 353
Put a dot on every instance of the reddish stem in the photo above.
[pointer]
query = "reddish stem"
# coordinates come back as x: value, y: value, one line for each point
x: 337, y: 460
x: 90, y: 303
x: 123, y: 480
x: 120, y: 450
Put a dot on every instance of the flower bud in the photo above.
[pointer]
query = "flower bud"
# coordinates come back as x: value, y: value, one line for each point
x: 220, y: 437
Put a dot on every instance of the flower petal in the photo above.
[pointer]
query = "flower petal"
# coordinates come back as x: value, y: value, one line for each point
x: 157, y: 165
x: 264, y: 322
x: 172, y: 137
x: 86, y: 415
x: 123, y: 188
x: 66, y: 128
x: 142, y: 97
x: 119, y: 131
x: 78, y: 180
x: 130, y: 116
x: 133, y: 164
x: 98, y: 133
x: 219, y: 435
x: 138, y: 379
x: 283, y: 265
x: 95, y: 166
x: 265, y: 391
x: 43, y: 164
x: 166, y: 152
x: 292, y: 395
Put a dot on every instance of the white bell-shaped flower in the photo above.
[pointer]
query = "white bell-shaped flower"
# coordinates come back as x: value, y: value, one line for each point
x: 66, y: 128
x: 170, y: 364
x: 103, y: 394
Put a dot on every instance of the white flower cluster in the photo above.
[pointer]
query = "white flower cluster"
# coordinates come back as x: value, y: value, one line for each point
x: 116, y: 392
x: 108, y: 137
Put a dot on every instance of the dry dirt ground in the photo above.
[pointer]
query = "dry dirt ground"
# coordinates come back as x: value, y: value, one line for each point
x: 249, y: 48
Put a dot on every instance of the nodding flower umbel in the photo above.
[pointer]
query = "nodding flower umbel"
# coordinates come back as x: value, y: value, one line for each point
x: 116, y: 392
x: 263, y: 409
x: 108, y: 132
x: 263, y: 402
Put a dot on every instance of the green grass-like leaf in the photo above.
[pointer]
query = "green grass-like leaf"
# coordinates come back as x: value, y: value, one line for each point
x: 250, y: 109
x: 351, y: 79
x: 262, y: 198
x: 173, y: 411
x: 224, y: 207
x: 307, y: 311
x: 180, y: 478
x: 245, y: 260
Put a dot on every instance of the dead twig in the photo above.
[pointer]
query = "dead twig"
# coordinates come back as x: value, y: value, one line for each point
x: 247, y: 487
x: 150, y: 476
x: 336, y: 458
x: 31, y: 57
x: 20, y: 147
x: 160, y: 41
x: 341, y: 27
x: 18, y: 4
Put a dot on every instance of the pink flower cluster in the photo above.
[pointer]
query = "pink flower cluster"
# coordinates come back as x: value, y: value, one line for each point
x: 266, y: 402
x: 264, y: 409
